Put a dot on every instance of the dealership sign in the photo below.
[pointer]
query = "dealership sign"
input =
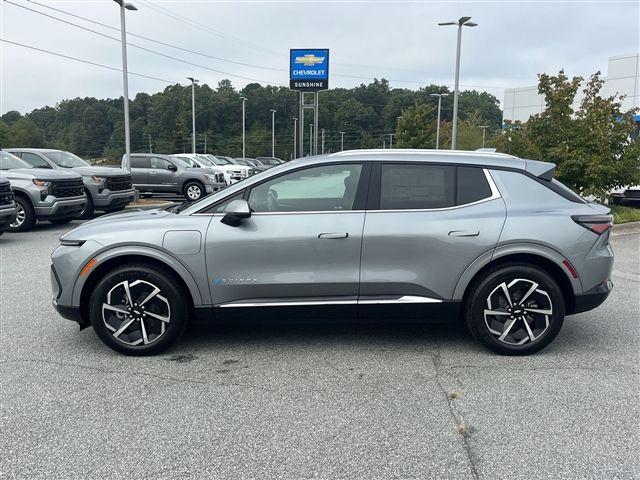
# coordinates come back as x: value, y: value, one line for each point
x: 309, y: 69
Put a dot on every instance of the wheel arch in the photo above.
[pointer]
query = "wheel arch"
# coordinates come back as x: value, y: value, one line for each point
x: 546, y: 262
x: 112, y: 259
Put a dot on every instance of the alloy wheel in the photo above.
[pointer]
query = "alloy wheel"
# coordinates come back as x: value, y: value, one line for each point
x: 518, y: 312
x: 20, y: 216
x: 136, y: 313
x: 194, y: 192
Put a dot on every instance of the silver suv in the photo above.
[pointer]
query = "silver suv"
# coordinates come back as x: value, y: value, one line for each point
x: 157, y: 173
x: 433, y: 235
x: 41, y: 194
x: 107, y: 189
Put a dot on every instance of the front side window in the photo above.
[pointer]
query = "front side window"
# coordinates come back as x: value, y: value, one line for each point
x: 322, y: 188
x: 35, y: 160
x: 408, y: 186
x: 160, y: 163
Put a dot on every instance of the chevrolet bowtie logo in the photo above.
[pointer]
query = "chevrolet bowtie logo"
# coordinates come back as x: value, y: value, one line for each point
x: 309, y: 60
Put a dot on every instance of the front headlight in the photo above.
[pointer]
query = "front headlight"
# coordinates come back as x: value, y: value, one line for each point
x: 100, y: 181
x: 210, y: 177
x: 41, y: 183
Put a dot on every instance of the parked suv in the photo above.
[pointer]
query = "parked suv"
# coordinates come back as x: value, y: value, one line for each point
x: 7, y: 205
x: 107, y: 189
x: 156, y: 173
x: 430, y: 235
x: 41, y: 194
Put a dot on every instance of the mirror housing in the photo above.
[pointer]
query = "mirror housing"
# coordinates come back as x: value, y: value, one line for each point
x: 235, y: 212
x: 171, y: 167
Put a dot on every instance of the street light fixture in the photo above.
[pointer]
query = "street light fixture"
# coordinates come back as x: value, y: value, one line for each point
x: 244, y: 100
x: 273, y: 133
x: 462, y: 22
x: 484, y: 131
x: 439, y: 95
x: 193, y: 111
x: 123, y: 30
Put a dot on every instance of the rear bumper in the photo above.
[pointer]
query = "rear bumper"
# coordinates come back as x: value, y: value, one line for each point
x: 592, y: 298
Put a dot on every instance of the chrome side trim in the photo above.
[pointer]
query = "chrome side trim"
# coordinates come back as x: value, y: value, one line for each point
x: 403, y: 299
x: 289, y: 304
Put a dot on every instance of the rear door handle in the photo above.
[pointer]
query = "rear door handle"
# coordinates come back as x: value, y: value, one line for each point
x: 333, y: 235
x: 464, y: 233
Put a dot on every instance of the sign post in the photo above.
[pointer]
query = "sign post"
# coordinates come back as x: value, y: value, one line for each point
x: 309, y: 73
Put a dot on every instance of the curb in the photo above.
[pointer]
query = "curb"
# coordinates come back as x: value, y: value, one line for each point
x: 626, y: 227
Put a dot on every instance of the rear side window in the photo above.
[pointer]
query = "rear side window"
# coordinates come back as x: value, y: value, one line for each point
x: 472, y: 185
x: 140, y: 162
x: 405, y: 186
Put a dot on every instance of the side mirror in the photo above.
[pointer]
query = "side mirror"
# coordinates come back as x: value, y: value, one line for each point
x: 171, y: 167
x: 235, y: 212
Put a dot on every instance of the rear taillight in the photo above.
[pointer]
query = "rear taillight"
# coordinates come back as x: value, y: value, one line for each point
x: 596, y: 223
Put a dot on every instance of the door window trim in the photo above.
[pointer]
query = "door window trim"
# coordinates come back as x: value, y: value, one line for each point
x: 373, y: 203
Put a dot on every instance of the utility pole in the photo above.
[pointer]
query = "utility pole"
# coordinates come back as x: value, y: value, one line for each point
x: 484, y: 131
x: 273, y: 133
x: 439, y: 95
x: 295, y: 137
x: 244, y: 100
x: 322, y: 130
x: 193, y: 111
x: 341, y: 141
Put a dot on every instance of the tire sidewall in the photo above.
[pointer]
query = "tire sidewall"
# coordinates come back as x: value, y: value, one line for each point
x: 475, y: 308
x: 89, y: 208
x: 169, y: 289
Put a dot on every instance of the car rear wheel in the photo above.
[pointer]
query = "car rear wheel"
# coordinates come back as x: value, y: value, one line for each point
x: 516, y: 309
x: 138, y: 309
x: 193, y: 191
x: 25, y: 216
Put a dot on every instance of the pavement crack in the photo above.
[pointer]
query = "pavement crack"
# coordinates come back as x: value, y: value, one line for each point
x: 463, y: 429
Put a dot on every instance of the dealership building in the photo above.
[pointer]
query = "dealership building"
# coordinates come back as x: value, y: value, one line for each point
x: 622, y: 77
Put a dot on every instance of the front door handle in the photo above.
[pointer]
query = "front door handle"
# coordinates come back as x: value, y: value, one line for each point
x: 464, y: 233
x: 333, y: 235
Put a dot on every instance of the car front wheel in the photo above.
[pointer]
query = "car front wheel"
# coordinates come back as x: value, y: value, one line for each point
x: 516, y: 309
x: 25, y: 216
x: 193, y: 191
x: 138, y: 309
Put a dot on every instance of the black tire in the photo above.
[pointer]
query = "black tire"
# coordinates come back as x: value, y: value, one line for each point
x: 540, y: 328
x: 61, y: 221
x: 26, y: 212
x: 193, y: 186
x: 89, y: 208
x: 114, y: 210
x: 159, y: 334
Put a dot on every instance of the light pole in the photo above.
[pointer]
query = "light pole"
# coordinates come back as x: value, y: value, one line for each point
x: 295, y: 137
x: 391, y: 140
x: 193, y: 111
x: 341, y: 141
x: 439, y: 95
x: 244, y: 100
x: 322, y: 131
x: 273, y: 133
x: 384, y: 143
x: 150, y: 148
x: 484, y: 131
x: 462, y: 21
x: 123, y: 30
x: 311, y: 139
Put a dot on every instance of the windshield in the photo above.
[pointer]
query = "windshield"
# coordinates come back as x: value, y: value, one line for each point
x: 65, y: 159
x: 9, y: 161
x: 243, y: 162
x: 181, y: 161
x: 204, y: 161
x: 269, y: 161
x: 219, y: 160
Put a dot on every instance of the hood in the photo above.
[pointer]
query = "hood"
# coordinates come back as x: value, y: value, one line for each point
x: 209, y: 170
x: 40, y: 173
x: 90, y: 170
x: 108, y: 224
x: 235, y: 167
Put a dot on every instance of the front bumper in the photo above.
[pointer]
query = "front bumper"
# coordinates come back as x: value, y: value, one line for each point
x: 106, y: 200
x: 592, y: 298
x: 7, y: 216
x: 61, y: 209
x: 214, y: 187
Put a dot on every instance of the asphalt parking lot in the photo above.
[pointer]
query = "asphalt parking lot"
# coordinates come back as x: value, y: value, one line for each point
x: 314, y: 401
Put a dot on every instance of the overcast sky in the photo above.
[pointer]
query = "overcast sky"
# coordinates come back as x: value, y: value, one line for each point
x: 399, y: 41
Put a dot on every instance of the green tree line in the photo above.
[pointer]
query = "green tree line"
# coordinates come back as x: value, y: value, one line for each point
x: 367, y: 114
